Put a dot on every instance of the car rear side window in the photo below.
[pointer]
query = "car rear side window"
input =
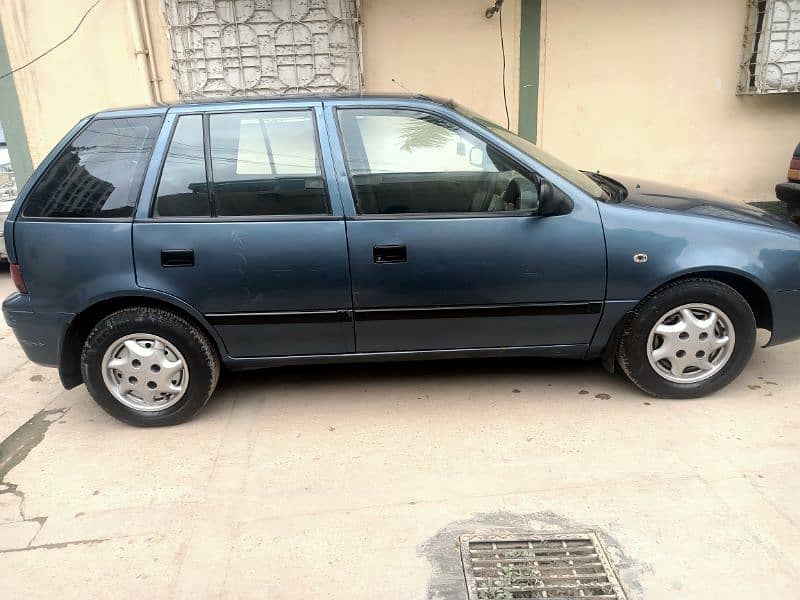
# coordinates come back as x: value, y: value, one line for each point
x: 183, y: 189
x: 266, y: 163
x: 99, y: 174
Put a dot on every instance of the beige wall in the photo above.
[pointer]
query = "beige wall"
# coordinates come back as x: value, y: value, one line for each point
x: 636, y: 87
x: 96, y: 69
x: 627, y: 86
x: 648, y: 88
x: 445, y: 48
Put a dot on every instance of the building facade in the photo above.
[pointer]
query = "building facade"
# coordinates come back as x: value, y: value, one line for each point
x: 700, y: 94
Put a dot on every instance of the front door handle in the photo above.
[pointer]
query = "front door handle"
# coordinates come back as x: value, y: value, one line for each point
x: 177, y: 258
x: 390, y: 253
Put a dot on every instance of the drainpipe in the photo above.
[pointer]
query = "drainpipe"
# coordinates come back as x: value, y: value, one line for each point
x: 155, y: 80
x: 360, y: 34
x: 139, y: 49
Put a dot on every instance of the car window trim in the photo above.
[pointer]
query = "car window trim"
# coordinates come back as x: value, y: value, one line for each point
x: 522, y: 170
x: 76, y: 219
x: 58, y: 151
x: 205, y: 123
x: 240, y: 219
x: 498, y: 214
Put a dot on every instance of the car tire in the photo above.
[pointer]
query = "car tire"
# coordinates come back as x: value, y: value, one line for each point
x: 149, y: 367
x: 662, y: 339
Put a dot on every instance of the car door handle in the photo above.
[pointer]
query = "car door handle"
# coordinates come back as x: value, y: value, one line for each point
x: 390, y: 253
x: 177, y: 258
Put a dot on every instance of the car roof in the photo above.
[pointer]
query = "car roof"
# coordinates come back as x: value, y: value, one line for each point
x: 366, y: 97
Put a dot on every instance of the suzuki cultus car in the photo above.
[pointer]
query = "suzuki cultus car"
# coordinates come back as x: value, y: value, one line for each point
x: 155, y: 246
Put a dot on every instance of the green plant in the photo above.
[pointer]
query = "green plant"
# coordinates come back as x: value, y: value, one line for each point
x: 508, y: 576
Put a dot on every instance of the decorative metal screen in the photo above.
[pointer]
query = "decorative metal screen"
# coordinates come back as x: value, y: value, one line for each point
x: 263, y: 47
x: 771, y: 62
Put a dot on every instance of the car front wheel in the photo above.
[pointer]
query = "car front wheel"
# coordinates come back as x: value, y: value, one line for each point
x: 688, y: 339
x: 149, y: 366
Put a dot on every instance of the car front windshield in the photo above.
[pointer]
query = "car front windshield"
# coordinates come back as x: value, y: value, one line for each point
x: 569, y: 173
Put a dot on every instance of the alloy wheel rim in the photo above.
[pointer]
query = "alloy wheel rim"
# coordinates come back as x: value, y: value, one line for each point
x: 691, y: 343
x: 145, y: 372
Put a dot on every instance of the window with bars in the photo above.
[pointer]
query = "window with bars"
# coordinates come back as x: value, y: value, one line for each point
x: 263, y: 47
x: 771, y: 61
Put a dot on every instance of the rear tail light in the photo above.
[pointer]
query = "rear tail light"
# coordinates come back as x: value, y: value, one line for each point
x: 16, y: 277
x: 794, y: 169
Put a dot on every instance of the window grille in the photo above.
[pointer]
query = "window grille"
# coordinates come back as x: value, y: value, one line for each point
x: 263, y: 47
x: 771, y: 61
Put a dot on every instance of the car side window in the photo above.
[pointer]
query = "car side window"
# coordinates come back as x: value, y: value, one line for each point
x: 99, y: 174
x: 406, y: 161
x: 266, y: 163
x: 183, y: 189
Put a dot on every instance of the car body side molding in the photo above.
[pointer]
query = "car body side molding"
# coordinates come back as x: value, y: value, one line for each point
x: 552, y: 351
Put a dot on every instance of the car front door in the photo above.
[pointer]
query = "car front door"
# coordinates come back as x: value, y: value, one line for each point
x: 447, y: 250
x: 244, y: 229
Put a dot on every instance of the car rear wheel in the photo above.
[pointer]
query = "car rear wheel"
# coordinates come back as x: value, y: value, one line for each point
x: 149, y: 366
x: 687, y: 339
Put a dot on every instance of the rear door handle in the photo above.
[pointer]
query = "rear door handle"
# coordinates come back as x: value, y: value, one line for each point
x: 390, y: 253
x: 177, y: 258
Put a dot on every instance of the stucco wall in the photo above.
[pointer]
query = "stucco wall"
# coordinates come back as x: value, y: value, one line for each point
x: 96, y: 69
x: 648, y: 88
x: 445, y: 48
x: 626, y: 86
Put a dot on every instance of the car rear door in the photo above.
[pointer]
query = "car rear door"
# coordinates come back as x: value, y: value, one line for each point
x: 446, y: 248
x: 244, y: 227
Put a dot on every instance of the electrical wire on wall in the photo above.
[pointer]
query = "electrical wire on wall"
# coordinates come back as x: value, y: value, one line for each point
x: 490, y: 12
x: 49, y: 50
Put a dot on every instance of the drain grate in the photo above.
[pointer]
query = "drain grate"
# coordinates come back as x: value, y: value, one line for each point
x: 537, y: 565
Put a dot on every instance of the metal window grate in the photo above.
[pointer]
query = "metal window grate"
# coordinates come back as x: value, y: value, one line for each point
x: 537, y: 565
x: 260, y: 47
x: 771, y: 52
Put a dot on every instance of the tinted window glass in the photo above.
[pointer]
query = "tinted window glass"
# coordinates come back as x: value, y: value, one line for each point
x: 266, y: 164
x: 403, y: 161
x: 99, y: 174
x: 183, y: 190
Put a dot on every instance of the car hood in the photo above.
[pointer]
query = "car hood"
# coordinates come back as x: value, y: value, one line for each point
x: 648, y: 194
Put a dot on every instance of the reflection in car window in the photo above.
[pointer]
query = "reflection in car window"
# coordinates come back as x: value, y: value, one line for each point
x: 99, y: 173
x: 406, y: 161
x: 266, y: 164
x: 183, y: 190
x: 572, y: 175
x: 413, y: 143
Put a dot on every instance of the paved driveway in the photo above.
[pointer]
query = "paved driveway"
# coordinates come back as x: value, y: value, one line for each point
x: 355, y: 482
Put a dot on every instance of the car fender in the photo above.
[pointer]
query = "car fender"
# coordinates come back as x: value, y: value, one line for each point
x: 69, y: 346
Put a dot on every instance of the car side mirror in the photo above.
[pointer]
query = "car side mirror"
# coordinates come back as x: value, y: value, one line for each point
x: 552, y: 202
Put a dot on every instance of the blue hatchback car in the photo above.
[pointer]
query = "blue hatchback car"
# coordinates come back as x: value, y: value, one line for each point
x: 154, y: 246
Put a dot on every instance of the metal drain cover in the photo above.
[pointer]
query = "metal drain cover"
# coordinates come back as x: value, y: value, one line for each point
x: 537, y: 565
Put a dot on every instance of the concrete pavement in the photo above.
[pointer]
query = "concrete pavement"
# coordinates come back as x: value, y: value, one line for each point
x: 355, y: 481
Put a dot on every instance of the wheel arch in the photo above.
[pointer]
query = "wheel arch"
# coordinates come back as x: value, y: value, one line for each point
x: 751, y: 290
x: 69, y: 356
